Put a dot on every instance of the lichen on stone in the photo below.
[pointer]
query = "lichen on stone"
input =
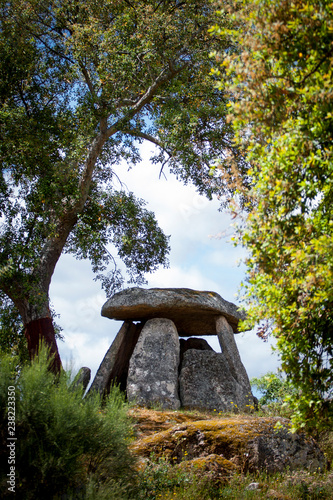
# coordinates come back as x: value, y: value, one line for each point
x: 251, y: 443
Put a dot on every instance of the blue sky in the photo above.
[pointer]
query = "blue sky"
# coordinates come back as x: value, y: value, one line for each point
x: 198, y: 260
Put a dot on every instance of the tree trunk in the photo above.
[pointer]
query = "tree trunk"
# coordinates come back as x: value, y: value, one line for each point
x: 38, y: 326
x: 42, y: 330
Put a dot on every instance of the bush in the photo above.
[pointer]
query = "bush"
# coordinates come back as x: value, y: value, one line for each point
x: 62, y: 440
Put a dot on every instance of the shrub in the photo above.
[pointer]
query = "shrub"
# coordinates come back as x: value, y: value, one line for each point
x: 62, y: 439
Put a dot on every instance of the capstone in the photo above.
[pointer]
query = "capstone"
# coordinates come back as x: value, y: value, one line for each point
x: 193, y: 312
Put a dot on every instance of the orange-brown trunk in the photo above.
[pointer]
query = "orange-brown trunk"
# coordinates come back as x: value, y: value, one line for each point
x: 42, y: 330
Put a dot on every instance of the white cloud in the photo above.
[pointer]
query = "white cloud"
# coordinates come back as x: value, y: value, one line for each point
x: 177, y: 277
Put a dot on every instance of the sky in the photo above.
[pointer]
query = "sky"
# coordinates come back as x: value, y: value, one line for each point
x: 199, y: 259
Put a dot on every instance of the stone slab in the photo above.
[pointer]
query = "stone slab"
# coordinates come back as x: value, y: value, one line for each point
x: 114, y: 366
x: 206, y: 383
x: 153, y: 369
x: 193, y: 312
x: 230, y: 350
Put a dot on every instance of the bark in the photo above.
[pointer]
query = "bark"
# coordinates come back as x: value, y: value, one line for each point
x: 42, y: 330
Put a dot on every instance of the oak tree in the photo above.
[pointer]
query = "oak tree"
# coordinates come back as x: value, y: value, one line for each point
x: 83, y: 84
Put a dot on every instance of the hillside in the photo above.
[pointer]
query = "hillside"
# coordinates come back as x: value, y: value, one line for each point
x: 205, y: 455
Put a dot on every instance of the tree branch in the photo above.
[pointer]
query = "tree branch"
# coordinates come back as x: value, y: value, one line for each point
x: 88, y: 80
x: 326, y: 56
x: 54, y: 246
x: 147, y: 137
x: 164, y: 76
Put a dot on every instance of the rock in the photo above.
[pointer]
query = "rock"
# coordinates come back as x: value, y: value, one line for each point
x: 230, y: 351
x: 206, y: 382
x: 250, y: 443
x: 215, y: 467
x: 153, y: 369
x: 82, y: 378
x: 114, y: 367
x: 192, y: 343
x: 253, y: 486
x: 119, y: 372
x: 193, y: 312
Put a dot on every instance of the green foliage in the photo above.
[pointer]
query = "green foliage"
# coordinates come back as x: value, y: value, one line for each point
x: 277, y: 394
x: 299, y: 485
x: 159, y: 479
x: 159, y: 476
x: 12, y: 339
x: 121, y: 219
x: 273, y: 386
x: 280, y: 80
x: 84, y: 84
x: 62, y: 439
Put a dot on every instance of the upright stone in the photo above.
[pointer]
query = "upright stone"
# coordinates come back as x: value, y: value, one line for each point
x: 206, y: 382
x: 114, y: 367
x: 153, y: 369
x: 82, y: 378
x: 192, y: 343
x: 230, y: 351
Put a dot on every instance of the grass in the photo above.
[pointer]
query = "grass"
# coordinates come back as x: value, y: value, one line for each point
x: 161, y: 481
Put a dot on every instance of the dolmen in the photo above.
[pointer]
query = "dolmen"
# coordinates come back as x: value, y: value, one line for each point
x: 158, y: 359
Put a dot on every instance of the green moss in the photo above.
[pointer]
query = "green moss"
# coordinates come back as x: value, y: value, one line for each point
x: 209, y: 463
x: 228, y: 437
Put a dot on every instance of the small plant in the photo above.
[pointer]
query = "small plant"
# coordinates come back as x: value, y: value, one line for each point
x: 158, y: 477
x: 162, y: 481
x: 62, y: 439
x: 275, y: 390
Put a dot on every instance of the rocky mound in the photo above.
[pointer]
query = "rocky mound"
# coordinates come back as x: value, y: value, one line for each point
x: 240, y: 443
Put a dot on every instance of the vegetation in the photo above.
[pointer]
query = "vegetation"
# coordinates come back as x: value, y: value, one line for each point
x: 280, y: 83
x: 69, y: 447
x: 64, y: 443
x: 274, y: 388
x: 82, y: 85
x: 162, y: 481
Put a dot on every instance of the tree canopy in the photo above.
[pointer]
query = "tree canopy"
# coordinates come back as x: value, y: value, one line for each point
x: 83, y: 84
x: 280, y: 86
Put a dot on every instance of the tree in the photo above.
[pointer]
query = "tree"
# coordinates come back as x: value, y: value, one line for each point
x: 83, y: 84
x: 282, y: 112
x: 274, y: 388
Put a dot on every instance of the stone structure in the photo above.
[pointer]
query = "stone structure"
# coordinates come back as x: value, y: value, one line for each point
x: 146, y: 357
x: 206, y: 381
x: 153, y: 368
x: 82, y: 378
